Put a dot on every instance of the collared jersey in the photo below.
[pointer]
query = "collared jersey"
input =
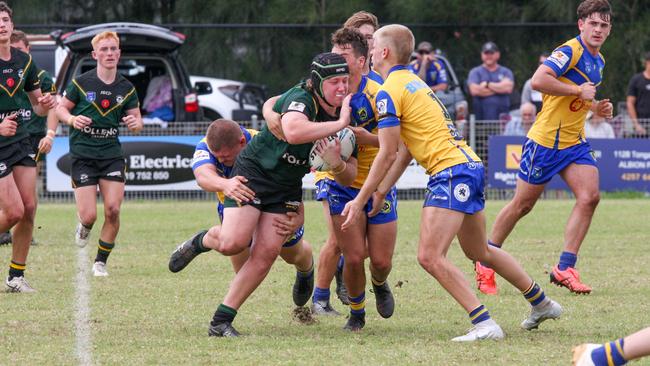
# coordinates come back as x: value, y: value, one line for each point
x: 425, y: 125
x: 436, y: 72
x: 362, y: 105
x: 105, y: 104
x: 202, y: 156
x: 561, y: 122
x: 18, y: 76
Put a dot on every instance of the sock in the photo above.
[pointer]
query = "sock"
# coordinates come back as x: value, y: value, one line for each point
x: 358, y: 305
x: 103, y: 251
x: 534, y: 294
x: 480, y: 314
x: 494, y: 245
x: 377, y: 283
x: 16, y: 269
x: 224, y: 314
x: 197, y: 241
x: 339, y: 264
x: 321, y: 294
x: 567, y: 260
x: 609, y: 351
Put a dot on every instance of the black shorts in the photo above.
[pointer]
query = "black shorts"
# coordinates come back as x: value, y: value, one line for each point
x: 269, y: 196
x: 88, y: 172
x: 16, y: 154
x: 34, y: 140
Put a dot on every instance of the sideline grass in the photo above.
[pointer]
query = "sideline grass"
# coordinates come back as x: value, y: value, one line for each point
x: 143, y: 314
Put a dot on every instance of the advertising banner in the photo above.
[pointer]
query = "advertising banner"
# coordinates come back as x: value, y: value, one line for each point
x: 623, y: 164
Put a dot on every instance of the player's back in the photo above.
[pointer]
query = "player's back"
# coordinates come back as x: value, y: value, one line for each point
x: 426, y: 126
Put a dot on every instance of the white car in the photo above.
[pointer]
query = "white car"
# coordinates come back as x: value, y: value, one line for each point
x: 229, y: 99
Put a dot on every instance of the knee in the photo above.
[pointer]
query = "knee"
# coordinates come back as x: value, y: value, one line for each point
x: 87, y: 217
x: 29, y: 211
x: 14, y: 214
x: 354, y: 258
x: 524, y: 207
x: 431, y: 263
x: 589, y: 200
x: 230, y: 246
x: 381, y: 264
x: 112, y: 213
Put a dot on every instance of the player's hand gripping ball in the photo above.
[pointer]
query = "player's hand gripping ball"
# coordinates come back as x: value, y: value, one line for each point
x: 347, y: 140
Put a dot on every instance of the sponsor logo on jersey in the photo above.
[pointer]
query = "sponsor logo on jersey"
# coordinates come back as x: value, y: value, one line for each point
x: 200, y: 155
x: 116, y: 173
x: 297, y: 106
x: 576, y: 105
x: 100, y: 133
x: 106, y: 103
x: 105, y: 92
x: 7, y: 71
x: 461, y: 192
x: 3, y: 167
x: 91, y: 96
x: 382, y: 106
x: 83, y: 178
x: 294, y: 160
x: 559, y: 58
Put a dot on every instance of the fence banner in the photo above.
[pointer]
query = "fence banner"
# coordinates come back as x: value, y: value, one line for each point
x: 153, y: 163
x: 623, y: 164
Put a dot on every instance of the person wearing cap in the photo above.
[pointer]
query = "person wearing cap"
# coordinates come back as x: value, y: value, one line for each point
x: 528, y: 95
x: 429, y: 68
x: 273, y: 170
x: 490, y: 85
x: 638, y: 98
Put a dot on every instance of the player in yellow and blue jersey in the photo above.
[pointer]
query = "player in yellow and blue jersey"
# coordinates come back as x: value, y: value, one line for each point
x: 556, y: 143
x: 408, y: 110
x: 212, y: 164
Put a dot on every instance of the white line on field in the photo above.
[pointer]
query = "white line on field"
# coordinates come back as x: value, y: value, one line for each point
x: 83, y: 344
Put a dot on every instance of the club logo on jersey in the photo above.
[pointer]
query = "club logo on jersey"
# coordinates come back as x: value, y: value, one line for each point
x: 461, y: 192
x: 588, y: 67
x: 297, y: 106
x: 20, y: 73
x: 576, y: 105
x: 382, y: 106
x: 83, y: 178
x: 119, y: 99
x: 11, y: 82
x: 386, y: 208
x: 91, y: 96
x: 106, y: 103
x: 559, y: 58
x: 537, y: 172
x: 363, y: 114
x: 3, y: 167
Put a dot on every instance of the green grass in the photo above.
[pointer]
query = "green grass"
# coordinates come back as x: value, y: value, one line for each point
x: 143, y: 314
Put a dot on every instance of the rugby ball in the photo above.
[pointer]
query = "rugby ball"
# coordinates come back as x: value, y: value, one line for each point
x: 347, y: 140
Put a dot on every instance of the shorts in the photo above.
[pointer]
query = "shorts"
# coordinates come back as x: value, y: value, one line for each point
x: 540, y: 164
x: 321, y: 189
x: 88, y: 172
x: 269, y: 197
x: 295, y: 239
x: 339, y: 195
x: 459, y: 188
x: 34, y: 140
x: 15, y: 154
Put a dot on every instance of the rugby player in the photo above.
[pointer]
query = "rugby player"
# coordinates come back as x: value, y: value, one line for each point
x: 556, y: 143
x: 94, y: 105
x: 615, y: 353
x: 408, y: 108
x: 17, y: 167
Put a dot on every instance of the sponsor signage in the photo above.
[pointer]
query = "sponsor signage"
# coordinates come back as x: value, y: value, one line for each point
x: 623, y: 164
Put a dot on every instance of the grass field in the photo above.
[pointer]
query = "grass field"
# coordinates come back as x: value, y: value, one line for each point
x: 143, y: 314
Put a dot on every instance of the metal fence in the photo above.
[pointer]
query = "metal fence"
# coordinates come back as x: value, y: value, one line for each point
x: 476, y: 132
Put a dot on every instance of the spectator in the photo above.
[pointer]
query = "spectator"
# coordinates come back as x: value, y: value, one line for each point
x: 490, y: 85
x: 429, y: 68
x: 520, y: 126
x: 638, y: 98
x: 598, y: 128
x: 528, y: 95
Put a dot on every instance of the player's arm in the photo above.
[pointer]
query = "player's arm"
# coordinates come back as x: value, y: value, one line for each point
x: 45, y: 145
x: 365, y: 137
x: 300, y: 130
x: 133, y: 120
x: 63, y: 113
x: 396, y: 170
x: 272, y: 118
x: 41, y: 103
x: 631, y: 111
x: 545, y: 81
x: 209, y: 180
x: 344, y: 172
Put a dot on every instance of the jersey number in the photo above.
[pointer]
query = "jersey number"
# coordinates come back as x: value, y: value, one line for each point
x: 450, y: 125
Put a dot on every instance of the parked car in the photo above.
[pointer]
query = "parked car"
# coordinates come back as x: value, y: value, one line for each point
x: 148, y: 52
x: 230, y: 99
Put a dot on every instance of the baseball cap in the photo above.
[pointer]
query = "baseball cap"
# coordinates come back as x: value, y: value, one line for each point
x: 425, y: 46
x: 490, y: 47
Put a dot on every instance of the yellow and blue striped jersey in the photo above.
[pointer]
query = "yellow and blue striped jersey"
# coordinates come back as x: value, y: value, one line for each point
x: 202, y: 155
x: 425, y: 125
x: 363, y: 115
x: 561, y: 122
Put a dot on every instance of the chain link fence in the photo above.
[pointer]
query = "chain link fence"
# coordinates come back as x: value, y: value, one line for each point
x: 476, y: 132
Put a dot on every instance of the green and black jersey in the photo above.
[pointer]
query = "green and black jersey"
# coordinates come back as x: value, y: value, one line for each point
x: 105, y: 105
x: 37, y: 125
x: 283, y: 163
x: 18, y: 76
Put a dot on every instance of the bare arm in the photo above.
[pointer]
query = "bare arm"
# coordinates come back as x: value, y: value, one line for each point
x: 396, y: 170
x: 365, y: 137
x: 210, y: 181
x: 504, y: 86
x: 45, y: 145
x: 545, y: 80
x: 299, y: 130
x: 631, y: 110
x: 133, y: 120
x: 41, y: 103
x: 480, y: 90
x: 63, y: 113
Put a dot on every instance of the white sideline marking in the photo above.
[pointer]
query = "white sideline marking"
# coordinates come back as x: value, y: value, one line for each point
x: 83, y: 343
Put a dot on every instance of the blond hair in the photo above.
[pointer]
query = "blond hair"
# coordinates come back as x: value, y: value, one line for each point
x: 361, y: 18
x: 105, y: 35
x: 399, y: 39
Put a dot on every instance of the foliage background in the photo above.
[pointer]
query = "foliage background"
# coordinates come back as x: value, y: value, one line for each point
x: 278, y: 54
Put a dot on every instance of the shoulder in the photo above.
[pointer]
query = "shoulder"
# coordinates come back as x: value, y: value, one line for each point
x: 20, y: 58
x: 124, y: 82
x: 374, y: 76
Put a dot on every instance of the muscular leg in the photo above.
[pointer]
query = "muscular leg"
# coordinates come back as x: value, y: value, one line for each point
x: 239, y: 259
x: 234, y: 236
x: 86, y: 201
x: 329, y: 253
x: 25, y: 179
x: 381, y: 245
x: 522, y: 203
x: 353, y: 246
x: 300, y: 255
x: 112, y: 194
x: 583, y: 181
x: 11, y: 203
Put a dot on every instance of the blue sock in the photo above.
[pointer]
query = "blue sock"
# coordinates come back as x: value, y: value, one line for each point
x: 567, y: 260
x: 321, y: 294
x: 479, y: 314
x: 612, y: 350
x: 534, y: 294
x: 358, y: 305
x: 494, y: 245
x: 339, y: 265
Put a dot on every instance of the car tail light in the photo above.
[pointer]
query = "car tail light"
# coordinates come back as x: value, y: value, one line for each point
x: 191, y: 103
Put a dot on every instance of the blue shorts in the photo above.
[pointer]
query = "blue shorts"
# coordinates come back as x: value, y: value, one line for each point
x: 321, y: 189
x: 338, y: 196
x: 540, y: 164
x: 297, y: 236
x: 459, y: 188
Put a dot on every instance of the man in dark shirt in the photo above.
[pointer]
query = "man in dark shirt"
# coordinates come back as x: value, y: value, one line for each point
x: 638, y: 99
